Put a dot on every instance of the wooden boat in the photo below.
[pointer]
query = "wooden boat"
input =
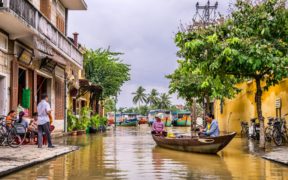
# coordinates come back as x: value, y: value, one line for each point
x: 207, y: 145
x: 129, y: 119
x: 181, y: 118
x: 166, y: 116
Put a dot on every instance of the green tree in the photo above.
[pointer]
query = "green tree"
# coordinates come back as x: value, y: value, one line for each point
x: 139, y: 96
x: 109, y: 105
x: 251, y: 44
x: 257, y: 46
x: 153, y: 98
x: 164, y: 101
x: 106, y: 69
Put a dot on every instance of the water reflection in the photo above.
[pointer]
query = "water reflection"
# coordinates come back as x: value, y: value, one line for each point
x: 130, y: 153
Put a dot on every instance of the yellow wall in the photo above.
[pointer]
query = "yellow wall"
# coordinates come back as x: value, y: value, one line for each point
x: 243, y: 106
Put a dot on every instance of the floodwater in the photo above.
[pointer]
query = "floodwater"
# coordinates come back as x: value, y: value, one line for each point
x: 130, y: 153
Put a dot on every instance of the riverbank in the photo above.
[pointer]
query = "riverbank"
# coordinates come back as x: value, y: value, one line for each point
x: 12, y: 160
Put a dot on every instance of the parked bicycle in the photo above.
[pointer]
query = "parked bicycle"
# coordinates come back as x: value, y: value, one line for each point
x: 244, y: 129
x: 280, y: 131
x: 12, y: 136
x: 254, y: 129
x: 269, y: 129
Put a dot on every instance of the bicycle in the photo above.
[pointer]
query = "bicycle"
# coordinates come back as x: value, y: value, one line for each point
x: 280, y: 131
x: 244, y: 129
x: 269, y: 130
x: 254, y: 129
x: 13, y: 136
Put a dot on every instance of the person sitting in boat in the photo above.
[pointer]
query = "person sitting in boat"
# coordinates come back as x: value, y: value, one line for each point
x: 158, y: 127
x: 212, y: 128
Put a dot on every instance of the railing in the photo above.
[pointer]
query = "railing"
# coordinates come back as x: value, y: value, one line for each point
x: 34, y: 18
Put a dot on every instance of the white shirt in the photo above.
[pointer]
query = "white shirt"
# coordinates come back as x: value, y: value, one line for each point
x: 43, y: 108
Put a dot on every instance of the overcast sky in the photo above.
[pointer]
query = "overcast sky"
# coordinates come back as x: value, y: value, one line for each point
x: 143, y: 30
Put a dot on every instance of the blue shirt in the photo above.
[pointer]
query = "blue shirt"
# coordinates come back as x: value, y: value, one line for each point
x: 43, y: 108
x: 214, y: 129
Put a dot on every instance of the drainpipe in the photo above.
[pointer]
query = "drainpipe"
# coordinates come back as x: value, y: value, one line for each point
x: 65, y: 102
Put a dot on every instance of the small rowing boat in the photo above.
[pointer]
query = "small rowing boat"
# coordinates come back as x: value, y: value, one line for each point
x: 207, y: 145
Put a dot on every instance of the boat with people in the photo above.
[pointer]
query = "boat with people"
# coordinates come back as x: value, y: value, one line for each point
x: 165, y: 115
x: 181, y: 118
x: 196, y: 144
x: 129, y: 119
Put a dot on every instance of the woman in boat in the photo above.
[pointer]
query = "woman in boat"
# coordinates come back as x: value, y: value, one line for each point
x: 212, y: 128
x: 158, y: 127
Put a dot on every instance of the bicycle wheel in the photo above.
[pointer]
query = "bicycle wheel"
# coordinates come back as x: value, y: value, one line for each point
x: 2, y: 134
x: 14, y: 139
x: 277, y: 137
x: 268, y: 137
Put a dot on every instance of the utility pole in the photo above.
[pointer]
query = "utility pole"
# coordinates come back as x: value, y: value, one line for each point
x: 205, y: 15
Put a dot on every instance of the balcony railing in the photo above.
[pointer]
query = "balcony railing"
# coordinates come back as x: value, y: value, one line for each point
x: 34, y: 18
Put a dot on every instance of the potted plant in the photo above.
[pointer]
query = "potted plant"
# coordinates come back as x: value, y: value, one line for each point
x: 94, y: 124
x: 83, y: 121
x: 103, y: 124
x: 71, y: 122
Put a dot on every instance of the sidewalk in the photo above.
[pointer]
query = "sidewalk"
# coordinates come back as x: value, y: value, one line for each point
x: 15, y: 159
x: 279, y: 154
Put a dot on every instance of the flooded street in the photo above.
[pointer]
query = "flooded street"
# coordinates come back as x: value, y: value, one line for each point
x: 130, y: 153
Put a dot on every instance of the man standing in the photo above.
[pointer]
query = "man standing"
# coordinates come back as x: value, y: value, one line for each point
x: 44, y: 114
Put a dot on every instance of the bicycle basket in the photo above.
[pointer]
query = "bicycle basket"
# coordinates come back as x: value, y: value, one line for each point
x: 20, y: 129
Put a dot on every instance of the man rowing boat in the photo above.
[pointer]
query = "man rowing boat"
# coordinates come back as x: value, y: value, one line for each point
x: 212, y: 128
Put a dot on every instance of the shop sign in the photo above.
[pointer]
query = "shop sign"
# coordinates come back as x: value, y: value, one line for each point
x: 43, y: 47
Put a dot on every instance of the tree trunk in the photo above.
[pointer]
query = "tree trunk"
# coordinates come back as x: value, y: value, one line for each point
x: 258, y: 96
x: 194, y: 115
x: 207, y: 105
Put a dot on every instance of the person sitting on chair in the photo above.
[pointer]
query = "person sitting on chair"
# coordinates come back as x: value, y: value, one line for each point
x: 158, y: 127
x: 212, y: 128
x: 11, y: 116
x: 22, y: 121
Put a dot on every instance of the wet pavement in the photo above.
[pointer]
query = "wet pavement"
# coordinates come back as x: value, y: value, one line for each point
x: 13, y: 159
x: 131, y: 153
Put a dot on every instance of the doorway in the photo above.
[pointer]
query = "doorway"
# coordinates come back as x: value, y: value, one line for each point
x: 21, y: 85
x: 43, y: 87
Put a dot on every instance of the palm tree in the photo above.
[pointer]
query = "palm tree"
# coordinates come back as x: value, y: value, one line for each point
x: 139, y: 96
x: 153, y: 98
x: 164, y: 102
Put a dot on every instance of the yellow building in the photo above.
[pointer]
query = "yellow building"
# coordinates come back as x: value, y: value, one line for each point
x: 243, y: 106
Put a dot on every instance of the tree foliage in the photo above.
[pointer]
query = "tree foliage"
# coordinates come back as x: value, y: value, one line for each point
x: 139, y: 96
x: 152, y: 97
x: 106, y: 69
x: 251, y: 44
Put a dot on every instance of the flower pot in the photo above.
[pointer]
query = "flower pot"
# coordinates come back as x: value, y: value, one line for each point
x: 92, y: 130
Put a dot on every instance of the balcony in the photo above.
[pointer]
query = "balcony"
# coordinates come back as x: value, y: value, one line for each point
x: 23, y: 21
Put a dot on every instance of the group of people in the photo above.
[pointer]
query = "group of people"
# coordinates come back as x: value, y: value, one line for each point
x: 41, y: 122
x: 211, y: 129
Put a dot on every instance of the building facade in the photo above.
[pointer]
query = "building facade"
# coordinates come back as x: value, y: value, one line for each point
x: 36, y: 56
x: 231, y: 112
